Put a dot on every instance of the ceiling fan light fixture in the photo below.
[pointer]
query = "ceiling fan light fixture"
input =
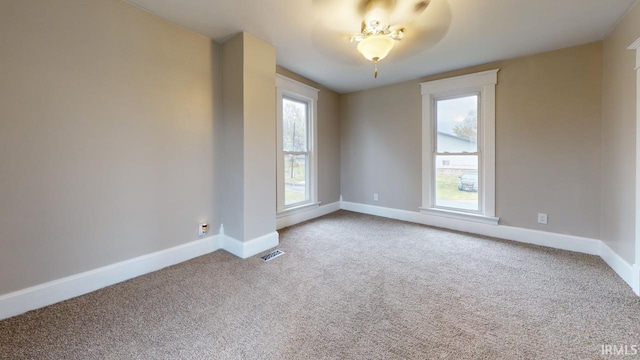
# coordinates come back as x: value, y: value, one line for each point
x: 376, y: 19
x: 375, y: 47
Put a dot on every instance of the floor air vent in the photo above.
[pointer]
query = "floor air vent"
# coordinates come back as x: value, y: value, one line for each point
x: 272, y: 255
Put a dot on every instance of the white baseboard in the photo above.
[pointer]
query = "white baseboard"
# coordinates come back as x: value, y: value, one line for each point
x: 636, y: 279
x: 630, y: 274
x: 38, y: 296
x: 619, y: 265
x: 536, y: 237
x: 245, y: 249
x: 306, y: 214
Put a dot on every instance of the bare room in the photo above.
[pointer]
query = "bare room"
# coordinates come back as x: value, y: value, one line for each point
x: 319, y: 179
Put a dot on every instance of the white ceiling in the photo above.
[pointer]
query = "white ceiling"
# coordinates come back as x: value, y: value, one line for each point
x: 450, y: 34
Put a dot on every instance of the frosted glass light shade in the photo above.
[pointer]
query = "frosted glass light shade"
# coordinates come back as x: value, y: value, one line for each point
x: 376, y: 46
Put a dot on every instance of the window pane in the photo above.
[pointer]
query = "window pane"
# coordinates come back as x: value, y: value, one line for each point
x: 457, y: 124
x: 295, y: 179
x: 294, y: 125
x: 457, y: 181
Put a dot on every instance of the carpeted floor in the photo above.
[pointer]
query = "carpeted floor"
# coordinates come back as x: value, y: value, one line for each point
x: 350, y: 286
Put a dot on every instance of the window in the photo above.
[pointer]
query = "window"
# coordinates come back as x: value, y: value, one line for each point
x: 295, y: 149
x: 296, y: 129
x: 456, y: 148
x: 458, y: 130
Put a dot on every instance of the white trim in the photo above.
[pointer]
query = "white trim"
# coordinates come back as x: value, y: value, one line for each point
x: 461, y: 215
x: 636, y: 279
x: 630, y: 274
x: 51, y: 292
x: 292, y: 210
x: 636, y: 268
x: 296, y: 87
x: 289, y: 219
x: 427, y: 149
x: 536, y: 237
x: 636, y: 46
x: 462, y: 83
x: 619, y: 265
x: 488, y: 134
x: 483, y: 83
x: 245, y: 249
x: 297, y: 90
x: 38, y: 296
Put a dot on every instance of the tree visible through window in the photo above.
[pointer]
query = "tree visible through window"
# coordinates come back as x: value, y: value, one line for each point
x: 296, y: 180
x: 456, y: 155
x: 458, y: 147
x: 295, y: 150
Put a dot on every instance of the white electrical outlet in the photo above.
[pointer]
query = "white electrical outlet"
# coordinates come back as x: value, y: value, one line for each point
x: 375, y: 197
x: 202, y: 229
x: 542, y: 218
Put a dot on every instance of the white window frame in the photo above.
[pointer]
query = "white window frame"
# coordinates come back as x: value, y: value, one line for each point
x: 483, y: 83
x: 295, y: 90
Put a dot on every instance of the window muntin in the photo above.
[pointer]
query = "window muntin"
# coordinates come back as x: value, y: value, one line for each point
x: 295, y: 144
x: 456, y: 153
x: 296, y: 176
x: 439, y: 155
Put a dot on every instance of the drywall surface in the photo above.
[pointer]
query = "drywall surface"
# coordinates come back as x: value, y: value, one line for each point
x: 107, y: 125
x: 233, y: 138
x: 548, y: 121
x: 381, y: 146
x: 259, y: 137
x: 249, y: 188
x: 619, y: 137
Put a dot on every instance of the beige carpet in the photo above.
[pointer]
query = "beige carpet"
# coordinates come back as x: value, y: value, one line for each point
x: 350, y: 286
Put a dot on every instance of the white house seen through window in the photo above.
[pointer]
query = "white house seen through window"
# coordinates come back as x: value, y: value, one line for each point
x: 456, y: 156
x: 458, y: 152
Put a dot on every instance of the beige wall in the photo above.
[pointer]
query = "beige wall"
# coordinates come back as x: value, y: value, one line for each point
x: 548, y: 111
x: 259, y: 137
x: 380, y: 145
x: 619, y: 137
x: 232, y: 194
x: 108, y: 117
x: 249, y: 188
x: 328, y: 139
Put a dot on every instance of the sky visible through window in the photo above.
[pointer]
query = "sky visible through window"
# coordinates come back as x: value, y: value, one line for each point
x: 452, y: 112
x: 294, y: 127
x: 456, y: 161
x: 295, y: 140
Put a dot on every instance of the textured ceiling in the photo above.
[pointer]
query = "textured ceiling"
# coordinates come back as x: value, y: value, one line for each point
x: 309, y: 35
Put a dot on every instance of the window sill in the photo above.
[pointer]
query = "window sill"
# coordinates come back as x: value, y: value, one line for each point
x: 296, y: 209
x: 461, y: 215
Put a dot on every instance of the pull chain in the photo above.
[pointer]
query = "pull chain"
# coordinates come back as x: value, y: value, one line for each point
x: 375, y: 67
